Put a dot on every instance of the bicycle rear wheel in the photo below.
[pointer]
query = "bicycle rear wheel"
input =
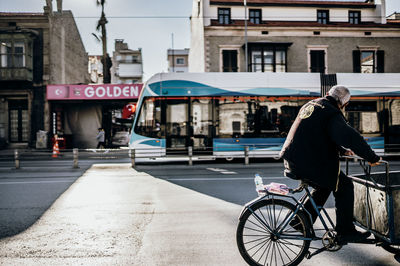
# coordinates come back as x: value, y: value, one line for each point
x: 256, y: 235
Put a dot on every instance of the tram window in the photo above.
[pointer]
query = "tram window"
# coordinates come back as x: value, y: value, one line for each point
x: 235, y: 116
x: 394, y: 107
x: 356, y: 106
x: 149, y: 120
x: 364, y: 122
x: 255, y: 117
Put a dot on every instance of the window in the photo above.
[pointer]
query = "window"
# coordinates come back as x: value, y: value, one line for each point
x: 323, y: 16
x: 369, y: 61
x: 268, y: 60
x: 180, y: 61
x: 354, y: 17
x: 255, y: 16
x: 128, y: 59
x: 12, y: 54
x: 224, y: 15
x: 229, y: 61
x: 317, y: 61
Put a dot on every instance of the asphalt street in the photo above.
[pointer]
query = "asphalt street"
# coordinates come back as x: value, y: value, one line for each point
x: 157, y: 214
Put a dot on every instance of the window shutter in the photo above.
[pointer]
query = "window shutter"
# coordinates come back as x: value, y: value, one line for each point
x: 356, y: 61
x: 380, y: 61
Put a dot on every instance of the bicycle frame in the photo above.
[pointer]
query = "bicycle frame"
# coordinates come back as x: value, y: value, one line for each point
x: 299, y: 204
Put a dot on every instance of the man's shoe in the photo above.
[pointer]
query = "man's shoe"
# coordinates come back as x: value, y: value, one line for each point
x: 353, y: 236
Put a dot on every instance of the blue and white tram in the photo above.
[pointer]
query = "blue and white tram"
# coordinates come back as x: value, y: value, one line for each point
x: 220, y: 114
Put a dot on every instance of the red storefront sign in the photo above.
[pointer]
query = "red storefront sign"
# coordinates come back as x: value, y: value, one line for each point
x: 94, y: 92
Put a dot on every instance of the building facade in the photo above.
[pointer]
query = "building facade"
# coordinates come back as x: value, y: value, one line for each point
x: 95, y: 69
x: 293, y: 36
x: 178, y: 60
x: 127, y: 64
x: 37, y: 49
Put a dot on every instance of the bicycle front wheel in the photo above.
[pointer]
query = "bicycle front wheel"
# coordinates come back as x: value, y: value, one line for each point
x: 271, y: 234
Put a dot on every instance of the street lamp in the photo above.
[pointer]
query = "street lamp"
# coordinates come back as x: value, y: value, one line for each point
x: 245, y: 35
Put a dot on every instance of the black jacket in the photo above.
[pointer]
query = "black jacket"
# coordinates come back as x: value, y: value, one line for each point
x: 315, y: 140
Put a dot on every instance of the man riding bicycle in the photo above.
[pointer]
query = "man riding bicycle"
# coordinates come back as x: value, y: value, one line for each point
x: 319, y: 135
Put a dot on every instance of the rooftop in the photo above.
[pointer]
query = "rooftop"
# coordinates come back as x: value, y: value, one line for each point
x: 338, y: 3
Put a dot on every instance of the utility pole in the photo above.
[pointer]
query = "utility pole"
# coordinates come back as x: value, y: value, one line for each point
x: 173, y: 58
x: 245, y: 37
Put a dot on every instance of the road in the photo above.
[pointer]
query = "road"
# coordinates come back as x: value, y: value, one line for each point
x: 185, y: 215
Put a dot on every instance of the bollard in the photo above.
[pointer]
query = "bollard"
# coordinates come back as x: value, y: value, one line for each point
x: 246, y: 155
x: 190, y: 151
x: 75, y: 153
x: 132, y: 156
x: 16, y: 157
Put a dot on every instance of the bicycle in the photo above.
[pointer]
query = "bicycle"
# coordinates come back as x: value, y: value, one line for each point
x: 276, y: 229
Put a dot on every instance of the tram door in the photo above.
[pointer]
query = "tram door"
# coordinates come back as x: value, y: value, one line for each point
x: 201, y: 125
x: 189, y: 123
x: 177, y: 125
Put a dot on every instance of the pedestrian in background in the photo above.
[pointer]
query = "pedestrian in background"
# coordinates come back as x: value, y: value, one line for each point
x: 100, y: 139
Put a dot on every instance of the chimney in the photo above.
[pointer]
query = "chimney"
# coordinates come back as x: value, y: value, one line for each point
x: 59, y: 6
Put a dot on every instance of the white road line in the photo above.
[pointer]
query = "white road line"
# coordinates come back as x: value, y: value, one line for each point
x: 36, y: 182
x: 223, y: 178
x: 217, y: 169
x: 229, y: 173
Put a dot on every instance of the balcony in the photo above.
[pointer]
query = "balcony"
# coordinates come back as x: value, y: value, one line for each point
x: 10, y: 74
x: 130, y: 70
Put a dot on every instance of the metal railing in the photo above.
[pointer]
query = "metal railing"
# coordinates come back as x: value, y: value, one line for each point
x: 189, y: 154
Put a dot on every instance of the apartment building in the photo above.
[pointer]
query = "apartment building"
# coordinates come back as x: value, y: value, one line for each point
x: 178, y: 60
x: 127, y: 64
x: 36, y: 49
x: 293, y: 36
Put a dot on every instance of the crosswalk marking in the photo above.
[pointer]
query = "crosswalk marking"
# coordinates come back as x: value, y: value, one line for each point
x: 222, y: 171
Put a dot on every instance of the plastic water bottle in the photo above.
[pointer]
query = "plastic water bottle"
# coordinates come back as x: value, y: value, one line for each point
x: 259, y: 183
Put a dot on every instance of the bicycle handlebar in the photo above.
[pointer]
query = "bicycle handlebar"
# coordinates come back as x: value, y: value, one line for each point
x: 367, y: 168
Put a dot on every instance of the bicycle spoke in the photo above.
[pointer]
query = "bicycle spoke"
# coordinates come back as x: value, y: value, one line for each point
x: 262, y: 215
x: 264, y: 243
x: 298, y: 246
x: 279, y: 215
x: 284, y: 251
x: 263, y: 253
x: 256, y: 230
x: 255, y: 240
x: 261, y: 243
x: 263, y: 228
x: 284, y: 220
x: 279, y: 251
x: 272, y: 254
x: 266, y: 255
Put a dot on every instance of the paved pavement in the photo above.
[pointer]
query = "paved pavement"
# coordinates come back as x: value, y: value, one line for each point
x: 115, y: 215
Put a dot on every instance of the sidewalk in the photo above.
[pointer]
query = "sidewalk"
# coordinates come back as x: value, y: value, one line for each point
x: 115, y: 215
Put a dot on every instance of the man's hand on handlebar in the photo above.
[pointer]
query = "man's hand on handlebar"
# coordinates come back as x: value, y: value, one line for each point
x: 376, y: 163
x: 349, y: 152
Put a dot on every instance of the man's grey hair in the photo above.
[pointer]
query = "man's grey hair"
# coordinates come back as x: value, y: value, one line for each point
x: 340, y: 93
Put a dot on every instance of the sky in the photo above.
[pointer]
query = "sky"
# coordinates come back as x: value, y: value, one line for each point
x: 146, y: 24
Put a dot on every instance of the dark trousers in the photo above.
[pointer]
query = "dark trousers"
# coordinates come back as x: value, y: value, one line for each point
x: 344, y: 202
x: 100, y: 145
